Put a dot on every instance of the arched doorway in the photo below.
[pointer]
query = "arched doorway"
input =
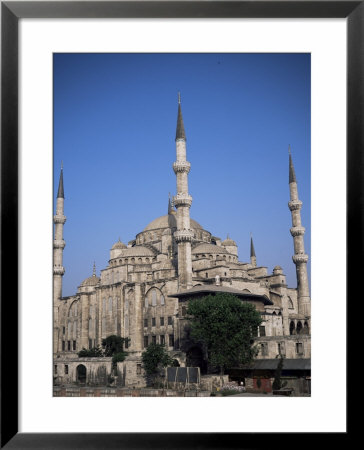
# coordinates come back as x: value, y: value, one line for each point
x: 81, y: 374
x: 194, y: 358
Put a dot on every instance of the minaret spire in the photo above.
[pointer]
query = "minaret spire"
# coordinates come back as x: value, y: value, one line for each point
x: 180, y: 131
x: 58, y: 247
x: 170, y: 207
x: 60, y: 193
x: 253, y: 259
x: 297, y: 232
x: 292, y: 175
x: 182, y: 201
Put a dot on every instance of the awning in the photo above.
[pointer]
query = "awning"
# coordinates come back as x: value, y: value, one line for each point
x: 213, y: 289
x: 272, y: 364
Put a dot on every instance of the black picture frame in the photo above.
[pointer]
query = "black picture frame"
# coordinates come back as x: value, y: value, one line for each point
x: 11, y: 12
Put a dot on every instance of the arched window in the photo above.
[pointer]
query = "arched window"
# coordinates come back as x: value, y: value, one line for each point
x: 162, y: 299
x: 154, y: 297
x: 147, y: 260
x: 305, y: 328
x: 73, y: 309
x: 290, y: 303
x: 299, y: 328
x: 292, y: 328
x: 139, y: 260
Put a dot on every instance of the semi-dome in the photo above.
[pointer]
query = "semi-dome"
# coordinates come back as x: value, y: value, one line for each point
x: 208, y: 248
x: 165, y: 222
x: 91, y: 281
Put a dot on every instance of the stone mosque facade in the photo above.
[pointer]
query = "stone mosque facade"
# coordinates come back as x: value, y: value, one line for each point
x: 143, y: 292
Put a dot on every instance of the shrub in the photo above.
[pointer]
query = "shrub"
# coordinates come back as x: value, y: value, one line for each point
x: 231, y: 389
x: 90, y: 353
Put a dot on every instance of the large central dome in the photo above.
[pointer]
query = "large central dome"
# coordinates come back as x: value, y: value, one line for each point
x: 167, y: 221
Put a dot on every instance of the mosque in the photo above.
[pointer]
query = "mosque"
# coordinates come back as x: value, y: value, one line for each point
x: 143, y: 291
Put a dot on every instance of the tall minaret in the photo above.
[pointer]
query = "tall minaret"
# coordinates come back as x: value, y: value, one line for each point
x: 297, y: 231
x: 253, y: 258
x: 182, y: 201
x: 58, y: 244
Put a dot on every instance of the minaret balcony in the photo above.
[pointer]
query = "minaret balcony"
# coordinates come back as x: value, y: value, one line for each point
x: 59, y: 243
x: 58, y: 270
x: 300, y: 258
x: 181, y: 166
x: 184, y: 235
x: 297, y: 231
x: 58, y: 218
x: 294, y: 205
x: 182, y: 200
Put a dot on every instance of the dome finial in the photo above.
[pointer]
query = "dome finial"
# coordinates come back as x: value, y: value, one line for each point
x: 94, y: 270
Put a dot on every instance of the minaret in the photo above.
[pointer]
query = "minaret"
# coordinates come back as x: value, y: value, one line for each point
x: 58, y: 243
x: 182, y: 201
x: 297, y: 231
x: 253, y: 258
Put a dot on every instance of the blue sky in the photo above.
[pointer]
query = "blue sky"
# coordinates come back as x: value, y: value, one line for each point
x: 114, y: 129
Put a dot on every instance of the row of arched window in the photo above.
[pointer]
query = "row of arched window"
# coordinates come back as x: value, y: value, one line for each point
x: 140, y: 260
x: 298, y: 328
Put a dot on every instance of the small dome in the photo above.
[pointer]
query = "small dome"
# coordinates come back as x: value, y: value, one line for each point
x: 208, y: 248
x: 118, y: 245
x: 229, y: 242
x: 91, y: 281
x: 277, y: 270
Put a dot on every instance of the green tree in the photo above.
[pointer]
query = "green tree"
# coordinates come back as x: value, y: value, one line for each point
x: 225, y: 326
x: 114, y: 344
x: 277, y: 382
x: 154, y: 358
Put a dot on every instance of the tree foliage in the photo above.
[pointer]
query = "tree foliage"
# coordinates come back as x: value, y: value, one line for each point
x: 113, y: 344
x: 154, y: 358
x: 277, y: 382
x: 225, y: 326
x: 93, y: 352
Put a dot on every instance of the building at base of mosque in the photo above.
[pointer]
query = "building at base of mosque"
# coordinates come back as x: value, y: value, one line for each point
x: 142, y: 293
